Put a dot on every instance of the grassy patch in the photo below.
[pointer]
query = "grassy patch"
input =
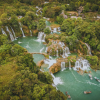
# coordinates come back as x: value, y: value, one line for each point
x: 7, y: 71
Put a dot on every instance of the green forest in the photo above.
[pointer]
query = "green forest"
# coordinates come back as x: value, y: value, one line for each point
x: 20, y: 77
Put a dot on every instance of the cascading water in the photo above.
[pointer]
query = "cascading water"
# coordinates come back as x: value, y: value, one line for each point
x: 11, y: 36
x: 89, y: 49
x: 81, y: 64
x: 56, y: 80
x: 63, y: 66
x: 57, y: 53
x: 30, y: 33
x: 54, y: 30
x: 3, y: 32
x: 50, y: 62
x: 69, y: 65
x: 41, y: 37
x: 59, y: 29
x: 13, y: 32
x: 46, y: 49
x: 44, y: 38
x: 21, y: 29
x: 41, y: 50
x: 65, y: 52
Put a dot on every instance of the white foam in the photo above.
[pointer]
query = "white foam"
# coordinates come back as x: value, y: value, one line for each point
x: 19, y: 42
x: 49, y: 62
x: 56, y: 80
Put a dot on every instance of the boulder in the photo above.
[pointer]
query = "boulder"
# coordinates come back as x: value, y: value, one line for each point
x: 55, y: 68
x: 40, y: 63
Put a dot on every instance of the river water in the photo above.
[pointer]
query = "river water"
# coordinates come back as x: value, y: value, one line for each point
x: 71, y: 81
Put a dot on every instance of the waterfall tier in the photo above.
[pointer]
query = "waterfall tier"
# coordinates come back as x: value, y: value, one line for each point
x: 62, y: 66
x: 13, y: 33
x: 69, y: 65
x: 89, y: 49
x: 58, y: 49
x: 11, y: 36
x: 41, y: 37
x: 41, y: 50
x: 56, y: 80
x: 21, y: 29
x: 30, y: 33
x: 82, y: 64
x: 3, y: 32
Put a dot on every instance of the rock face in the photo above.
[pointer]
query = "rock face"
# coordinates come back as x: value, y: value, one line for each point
x: 55, y: 68
x: 40, y: 63
x: 80, y: 9
x: 52, y: 49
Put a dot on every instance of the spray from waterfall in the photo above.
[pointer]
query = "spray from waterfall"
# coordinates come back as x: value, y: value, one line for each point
x: 56, y: 80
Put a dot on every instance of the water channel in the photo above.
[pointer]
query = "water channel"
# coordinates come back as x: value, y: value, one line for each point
x: 70, y: 80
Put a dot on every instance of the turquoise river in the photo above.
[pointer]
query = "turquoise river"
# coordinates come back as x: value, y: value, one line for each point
x: 72, y: 82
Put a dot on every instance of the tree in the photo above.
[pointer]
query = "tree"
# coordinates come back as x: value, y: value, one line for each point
x: 4, y: 18
x: 86, y: 7
x: 57, y: 10
x: 60, y: 19
x: 94, y: 7
x: 41, y: 25
x: 14, y: 22
x: 47, y: 30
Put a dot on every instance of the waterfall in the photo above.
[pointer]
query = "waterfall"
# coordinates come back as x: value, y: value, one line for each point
x: 50, y: 52
x: 13, y: 32
x: 65, y: 52
x: 67, y: 49
x: 50, y: 62
x: 31, y: 33
x: 11, y: 36
x: 3, y: 32
x: 62, y: 44
x: 81, y: 64
x: 57, y: 53
x: 69, y: 65
x: 41, y: 37
x: 21, y: 29
x: 58, y: 29
x: 54, y: 30
x: 89, y: 49
x: 56, y: 80
x: 44, y: 38
x: 62, y: 66
x: 41, y: 50
x: 46, y: 49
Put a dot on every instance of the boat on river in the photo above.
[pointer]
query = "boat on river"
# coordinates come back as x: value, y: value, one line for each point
x: 68, y: 95
x: 90, y: 76
x: 97, y: 79
x: 87, y: 92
